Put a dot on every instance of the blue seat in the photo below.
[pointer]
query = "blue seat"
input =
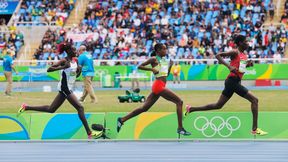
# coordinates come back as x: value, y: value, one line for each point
x: 243, y: 11
x: 163, y: 41
x: 208, y: 35
x: 95, y: 56
x: 180, y: 51
x: 119, y: 5
x: 182, y: 29
x: 216, y: 14
x: 194, y: 52
x: 149, y: 42
x: 97, y: 51
x: 187, y: 18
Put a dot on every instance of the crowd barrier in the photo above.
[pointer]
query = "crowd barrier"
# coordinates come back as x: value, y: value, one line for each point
x: 188, y: 73
x: 150, y: 125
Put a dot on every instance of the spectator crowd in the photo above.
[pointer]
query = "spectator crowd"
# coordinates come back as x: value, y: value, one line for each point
x: 11, y: 40
x: 197, y: 29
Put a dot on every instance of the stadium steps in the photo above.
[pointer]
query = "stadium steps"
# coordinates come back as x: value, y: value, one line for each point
x: 33, y: 36
x: 279, y: 9
x: 77, y: 13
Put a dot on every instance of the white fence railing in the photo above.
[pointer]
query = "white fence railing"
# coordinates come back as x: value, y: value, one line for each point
x: 52, y: 23
x: 112, y: 62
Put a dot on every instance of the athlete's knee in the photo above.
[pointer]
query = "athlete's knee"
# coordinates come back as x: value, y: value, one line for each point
x: 218, y: 105
x: 255, y: 100
x: 80, y: 109
x: 144, y: 109
x: 51, y: 110
x: 179, y: 102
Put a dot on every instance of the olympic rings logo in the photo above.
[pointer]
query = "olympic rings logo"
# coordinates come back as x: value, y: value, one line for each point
x: 217, y: 125
x: 3, y: 5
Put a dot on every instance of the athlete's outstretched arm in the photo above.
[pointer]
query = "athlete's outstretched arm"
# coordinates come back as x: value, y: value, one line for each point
x: 62, y: 64
x: 230, y: 54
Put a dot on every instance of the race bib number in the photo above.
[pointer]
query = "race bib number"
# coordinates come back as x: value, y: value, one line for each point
x: 242, y: 66
x: 72, y: 77
x: 164, y: 69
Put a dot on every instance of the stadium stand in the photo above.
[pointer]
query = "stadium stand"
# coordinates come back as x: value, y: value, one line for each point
x: 11, y: 40
x: 191, y: 29
x: 43, y: 11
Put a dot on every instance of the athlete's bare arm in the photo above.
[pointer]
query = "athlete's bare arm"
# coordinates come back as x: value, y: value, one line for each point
x: 150, y: 61
x: 62, y: 64
x: 230, y: 54
x: 170, y: 66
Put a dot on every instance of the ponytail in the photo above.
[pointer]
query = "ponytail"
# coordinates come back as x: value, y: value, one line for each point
x: 153, y: 53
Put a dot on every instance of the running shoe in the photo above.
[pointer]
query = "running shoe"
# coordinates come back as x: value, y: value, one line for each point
x: 259, y: 131
x: 95, y: 134
x: 22, y: 109
x: 182, y: 131
x: 119, y: 124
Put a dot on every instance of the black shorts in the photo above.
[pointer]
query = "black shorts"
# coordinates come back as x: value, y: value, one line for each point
x: 233, y: 84
x: 65, y: 93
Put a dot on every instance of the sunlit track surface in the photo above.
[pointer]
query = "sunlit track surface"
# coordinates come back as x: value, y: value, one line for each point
x: 203, y: 151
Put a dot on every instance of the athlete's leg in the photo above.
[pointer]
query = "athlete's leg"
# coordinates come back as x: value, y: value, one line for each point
x: 151, y: 99
x: 80, y: 109
x: 218, y: 105
x: 227, y: 93
x: 243, y: 92
x: 254, y: 108
x: 58, y: 101
x: 171, y: 96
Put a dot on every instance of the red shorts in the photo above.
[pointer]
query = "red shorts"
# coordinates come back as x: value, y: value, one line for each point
x: 158, y: 86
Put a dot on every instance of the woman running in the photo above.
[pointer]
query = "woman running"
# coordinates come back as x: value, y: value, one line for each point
x: 69, y: 73
x: 237, y: 69
x: 160, y: 68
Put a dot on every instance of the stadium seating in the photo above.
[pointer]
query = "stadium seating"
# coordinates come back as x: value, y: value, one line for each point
x: 11, y: 40
x: 208, y: 24
x: 42, y: 12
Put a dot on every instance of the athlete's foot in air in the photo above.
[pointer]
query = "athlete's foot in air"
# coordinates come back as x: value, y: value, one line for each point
x: 259, y: 131
x: 21, y: 109
x: 188, y: 107
x: 182, y: 131
x: 95, y: 134
x: 119, y: 124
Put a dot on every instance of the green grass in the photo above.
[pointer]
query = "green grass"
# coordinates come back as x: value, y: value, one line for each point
x: 269, y: 100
